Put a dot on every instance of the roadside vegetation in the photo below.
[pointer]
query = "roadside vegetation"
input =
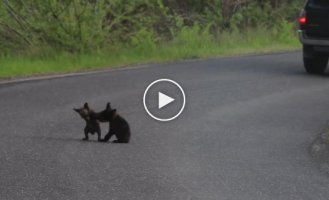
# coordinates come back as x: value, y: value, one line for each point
x: 56, y: 36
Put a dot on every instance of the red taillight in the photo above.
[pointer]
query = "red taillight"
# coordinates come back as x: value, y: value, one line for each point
x: 302, y: 20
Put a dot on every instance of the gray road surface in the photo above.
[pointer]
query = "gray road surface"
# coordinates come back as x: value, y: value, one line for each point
x: 244, y: 134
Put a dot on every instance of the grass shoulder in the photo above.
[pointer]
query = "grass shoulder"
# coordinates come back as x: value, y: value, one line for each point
x: 190, y: 44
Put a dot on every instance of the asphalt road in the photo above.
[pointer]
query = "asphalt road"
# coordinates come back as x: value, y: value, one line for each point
x: 244, y: 134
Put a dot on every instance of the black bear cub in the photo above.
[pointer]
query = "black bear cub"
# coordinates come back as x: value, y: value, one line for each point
x: 118, y: 125
x: 92, y: 125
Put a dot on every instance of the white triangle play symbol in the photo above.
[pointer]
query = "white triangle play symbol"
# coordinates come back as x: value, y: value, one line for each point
x: 164, y: 100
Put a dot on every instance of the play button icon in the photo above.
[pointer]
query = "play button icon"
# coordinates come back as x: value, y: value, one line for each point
x: 164, y: 100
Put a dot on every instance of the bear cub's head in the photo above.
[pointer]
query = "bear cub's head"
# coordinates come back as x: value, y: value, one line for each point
x: 84, y: 112
x: 108, y: 114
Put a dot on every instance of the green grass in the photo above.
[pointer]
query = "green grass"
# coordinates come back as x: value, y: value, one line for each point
x: 188, y: 44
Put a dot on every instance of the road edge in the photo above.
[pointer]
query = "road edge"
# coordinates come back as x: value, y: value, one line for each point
x: 15, y: 80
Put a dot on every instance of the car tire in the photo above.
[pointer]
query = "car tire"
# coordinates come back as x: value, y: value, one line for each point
x: 314, y: 62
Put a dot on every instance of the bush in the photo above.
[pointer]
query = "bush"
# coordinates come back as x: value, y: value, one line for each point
x: 46, y: 26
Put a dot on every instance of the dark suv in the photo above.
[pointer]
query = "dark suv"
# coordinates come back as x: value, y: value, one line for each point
x: 314, y: 35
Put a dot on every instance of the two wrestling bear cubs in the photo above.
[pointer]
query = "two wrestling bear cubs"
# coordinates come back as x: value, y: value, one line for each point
x: 118, y: 126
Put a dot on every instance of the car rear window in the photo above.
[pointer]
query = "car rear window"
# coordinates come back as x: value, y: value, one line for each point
x: 324, y: 3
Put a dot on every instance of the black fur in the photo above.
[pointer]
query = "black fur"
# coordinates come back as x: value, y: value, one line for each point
x: 92, y: 125
x: 118, y: 126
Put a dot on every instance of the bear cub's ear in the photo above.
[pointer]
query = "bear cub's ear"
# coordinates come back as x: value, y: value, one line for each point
x: 86, y: 106
x: 108, y: 106
x: 76, y: 110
